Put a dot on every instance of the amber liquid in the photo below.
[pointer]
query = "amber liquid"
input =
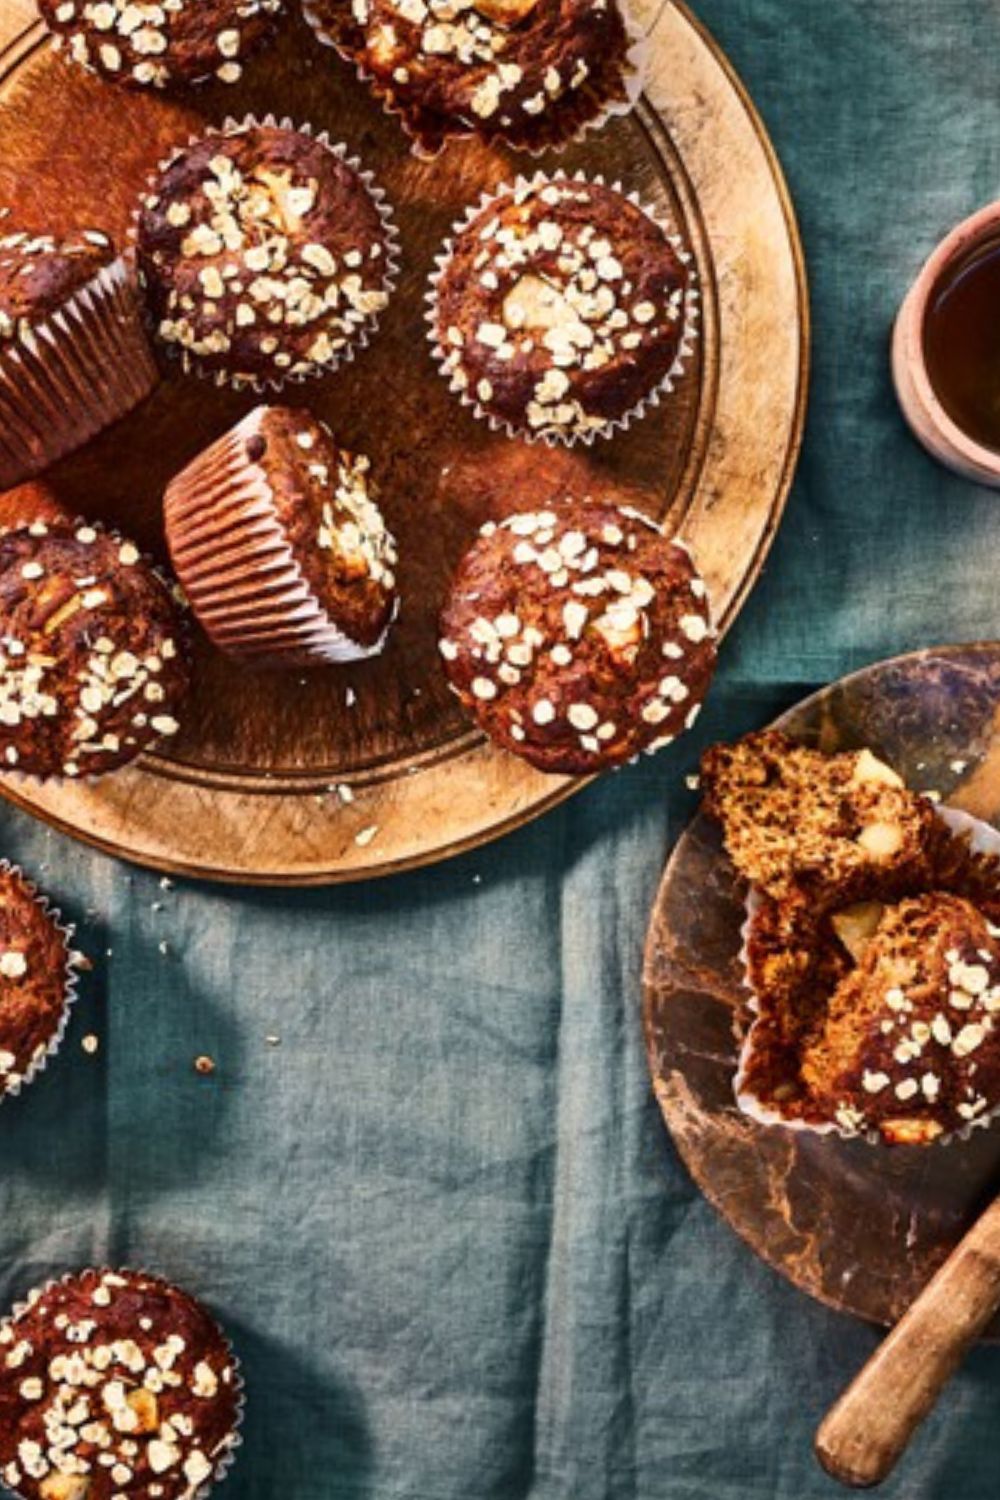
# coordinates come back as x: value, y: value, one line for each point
x: 962, y: 342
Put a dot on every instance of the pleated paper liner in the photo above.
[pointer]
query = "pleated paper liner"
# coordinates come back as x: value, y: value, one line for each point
x: 576, y: 115
x: 553, y: 438
x: 225, y: 1456
x: 237, y: 566
x: 10, y: 1088
x: 66, y: 379
x: 359, y: 338
x: 983, y: 839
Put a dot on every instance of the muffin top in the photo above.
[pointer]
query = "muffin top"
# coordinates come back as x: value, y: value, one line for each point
x: 561, y: 306
x: 40, y: 273
x: 831, y: 827
x: 909, y: 1045
x: 578, y: 636
x: 113, y: 1384
x: 155, y: 45
x: 527, y: 71
x: 327, y: 507
x: 92, y: 659
x: 264, y: 254
x: 34, y: 974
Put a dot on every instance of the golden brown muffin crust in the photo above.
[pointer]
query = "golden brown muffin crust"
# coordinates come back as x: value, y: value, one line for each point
x: 125, y: 1374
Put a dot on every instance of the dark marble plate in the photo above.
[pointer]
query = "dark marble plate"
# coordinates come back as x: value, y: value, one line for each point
x: 860, y: 1227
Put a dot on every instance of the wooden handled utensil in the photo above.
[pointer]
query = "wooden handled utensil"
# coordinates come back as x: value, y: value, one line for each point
x: 866, y: 1432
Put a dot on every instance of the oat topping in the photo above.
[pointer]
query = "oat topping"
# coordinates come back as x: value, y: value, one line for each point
x: 524, y: 70
x: 92, y: 660
x: 563, y: 635
x: 156, y: 43
x: 561, y: 305
x: 112, y: 1385
x: 265, y: 254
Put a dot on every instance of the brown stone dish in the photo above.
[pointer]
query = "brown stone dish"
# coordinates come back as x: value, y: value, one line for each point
x: 115, y: 1383
x: 366, y: 768
x: 162, y: 45
x: 860, y: 1227
x: 93, y: 651
x: 560, y: 308
x: 528, y: 73
x: 266, y: 254
x: 579, y: 636
x: 280, y: 546
x: 73, y: 351
x: 37, y: 980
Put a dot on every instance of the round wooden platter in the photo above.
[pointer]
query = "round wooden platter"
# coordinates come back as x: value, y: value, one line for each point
x: 861, y: 1227
x: 248, y: 792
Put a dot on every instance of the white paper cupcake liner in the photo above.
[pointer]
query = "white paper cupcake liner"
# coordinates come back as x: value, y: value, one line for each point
x: 33, y: 778
x: 67, y: 378
x: 652, y: 398
x: 635, y: 71
x: 983, y: 839
x: 361, y: 337
x: 222, y: 1460
x: 237, y: 567
x: 71, y: 972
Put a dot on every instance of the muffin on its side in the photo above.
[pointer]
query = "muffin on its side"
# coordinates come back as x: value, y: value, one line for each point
x: 578, y: 636
x: 37, y: 983
x: 93, y: 660
x: 158, y: 45
x: 115, y: 1383
x: 266, y: 254
x: 560, y: 308
x: 73, y: 350
x: 530, y: 73
x: 278, y: 541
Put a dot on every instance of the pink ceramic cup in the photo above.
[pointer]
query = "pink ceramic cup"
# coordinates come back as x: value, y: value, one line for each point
x: 930, y: 423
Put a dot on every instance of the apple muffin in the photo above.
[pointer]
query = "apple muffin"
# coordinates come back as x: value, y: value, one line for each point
x: 579, y: 636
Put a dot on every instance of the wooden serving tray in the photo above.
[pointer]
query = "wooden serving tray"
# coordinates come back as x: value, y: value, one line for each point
x: 860, y: 1227
x: 247, y: 791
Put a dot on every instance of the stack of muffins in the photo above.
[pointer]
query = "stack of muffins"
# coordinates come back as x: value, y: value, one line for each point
x: 262, y: 256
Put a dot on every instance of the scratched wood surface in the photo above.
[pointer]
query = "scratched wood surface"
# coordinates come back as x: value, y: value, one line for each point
x: 861, y: 1227
x: 244, y: 793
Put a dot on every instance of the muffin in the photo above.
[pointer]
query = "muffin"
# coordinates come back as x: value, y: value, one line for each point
x: 73, y: 351
x: 560, y: 307
x: 867, y: 908
x: 37, y: 980
x: 162, y: 44
x: 795, y: 819
x: 578, y: 636
x: 278, y: 541
x: 908, y: 1046
x: 530, y: 73
x: 93, y: 662
x: 115, y: 1384
x: 266, y: 254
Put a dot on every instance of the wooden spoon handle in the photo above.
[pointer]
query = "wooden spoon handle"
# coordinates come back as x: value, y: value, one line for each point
x: 865, y: 1433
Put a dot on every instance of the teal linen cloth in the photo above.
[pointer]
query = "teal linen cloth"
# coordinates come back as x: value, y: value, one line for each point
x: 441, y: 1218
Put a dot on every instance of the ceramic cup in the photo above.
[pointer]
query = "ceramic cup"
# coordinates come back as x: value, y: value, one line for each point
x: 931, y: 424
